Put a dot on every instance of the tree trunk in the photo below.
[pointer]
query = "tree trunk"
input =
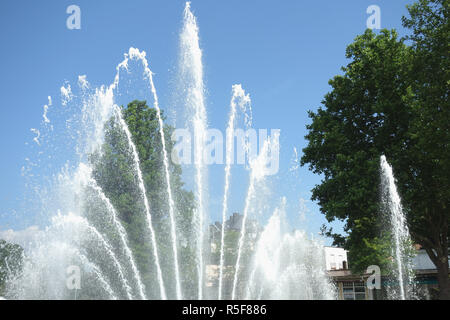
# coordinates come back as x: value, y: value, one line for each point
x: 443, y: 279
x: 439, y: 257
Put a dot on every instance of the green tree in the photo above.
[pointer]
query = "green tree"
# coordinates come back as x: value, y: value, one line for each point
x: 426, y: 186
x: 365, y: 115
x: 11, y: 261
x: 114, y: 172
x: 392, y: 100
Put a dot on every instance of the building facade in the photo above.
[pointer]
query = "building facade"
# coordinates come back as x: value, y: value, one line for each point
x: 354, y: 286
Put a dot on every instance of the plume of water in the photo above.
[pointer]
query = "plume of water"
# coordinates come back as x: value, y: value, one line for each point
x: 94, y: 238
x: 258, y: 171
x: 82, y: 223
x: 98, y: 273
x: 97, y: 108
x: 192, y: 72
x: 266, y: 250
x: 44, y: 275
x: 400, y: 232
x: 122, y: 234
x: 137, y: 55
x: 239, y: 98
x: 148, y: 215
x: 287, y: 265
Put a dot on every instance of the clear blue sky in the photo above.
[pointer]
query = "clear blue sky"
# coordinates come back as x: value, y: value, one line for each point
x: 282, y: 52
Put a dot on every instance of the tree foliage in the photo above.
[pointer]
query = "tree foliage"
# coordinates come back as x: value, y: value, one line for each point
x: 392, y: 99
x: 114, y: 171
x: 365, y: 115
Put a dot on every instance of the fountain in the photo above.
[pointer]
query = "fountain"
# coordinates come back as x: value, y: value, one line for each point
x: 402, y: 245
x: 87, y: 231
x: 296, y: 271
x: 257, y: 173
x: 191, y: 69
x: 239, y: 97
x: 145, y: 199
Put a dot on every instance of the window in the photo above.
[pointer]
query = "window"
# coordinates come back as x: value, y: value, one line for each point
x: 354, y: 290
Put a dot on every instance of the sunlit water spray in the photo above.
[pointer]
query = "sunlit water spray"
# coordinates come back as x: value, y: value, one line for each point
x: 135, y: 54
x: 120, y: 230
x: 242, y: 101
x: 287, y: 265
x: 96, y: 270
x: 92, y: 235
x: 146, y: 203
x: 191, y: 68
x: 82, y: 223
x: 258, y: 171
x: 97, y: 109
x: 400, y: 233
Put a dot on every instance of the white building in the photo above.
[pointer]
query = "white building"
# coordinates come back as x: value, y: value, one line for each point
x: 335, y: 258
